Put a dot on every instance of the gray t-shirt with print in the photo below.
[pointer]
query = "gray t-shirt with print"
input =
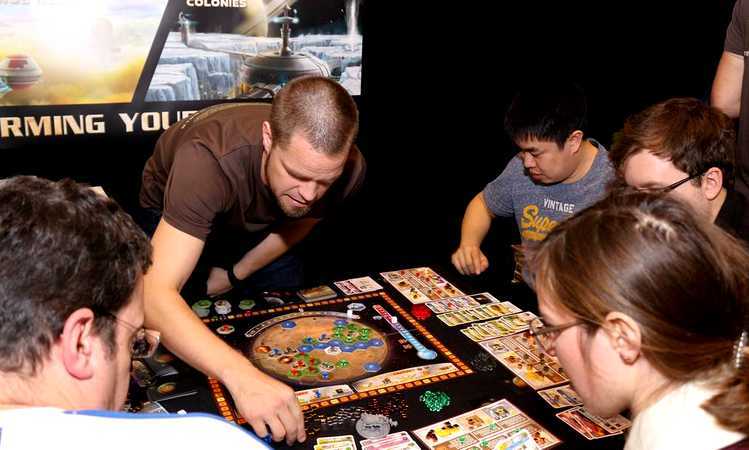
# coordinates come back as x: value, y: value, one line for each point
x: 538, y: 208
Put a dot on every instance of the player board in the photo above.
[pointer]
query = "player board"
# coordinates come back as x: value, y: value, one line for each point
x: 520, y: 353
x: 336, y: 351
x: 421, y: 285
x: 482, y: 428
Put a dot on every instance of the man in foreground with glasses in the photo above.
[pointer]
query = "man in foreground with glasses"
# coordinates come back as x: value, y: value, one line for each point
x: 685, y: 148
x: 71, y: 319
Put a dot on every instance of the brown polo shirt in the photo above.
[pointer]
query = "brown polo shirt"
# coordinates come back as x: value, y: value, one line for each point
x: 206, y: 171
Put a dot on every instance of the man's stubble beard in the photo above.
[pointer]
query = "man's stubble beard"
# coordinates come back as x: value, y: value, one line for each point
x: 292, y: 212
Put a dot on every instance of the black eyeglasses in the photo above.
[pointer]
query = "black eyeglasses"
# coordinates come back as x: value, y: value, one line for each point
x: 546, y: 335
x: 672, y: 186
x: 144, y: 342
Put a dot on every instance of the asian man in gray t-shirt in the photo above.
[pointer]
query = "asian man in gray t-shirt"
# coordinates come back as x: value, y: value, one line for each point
x: 557, y: 172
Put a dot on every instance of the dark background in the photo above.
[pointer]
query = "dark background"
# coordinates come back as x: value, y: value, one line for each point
x: 438, y: 77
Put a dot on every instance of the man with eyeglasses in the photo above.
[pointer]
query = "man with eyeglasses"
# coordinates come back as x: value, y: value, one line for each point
x: 684, y: 148
x: 71, y: 320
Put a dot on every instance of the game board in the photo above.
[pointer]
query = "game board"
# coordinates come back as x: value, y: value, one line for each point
x: 336, y: 351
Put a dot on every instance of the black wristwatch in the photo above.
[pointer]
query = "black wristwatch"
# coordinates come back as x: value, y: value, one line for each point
x: 233, y: 280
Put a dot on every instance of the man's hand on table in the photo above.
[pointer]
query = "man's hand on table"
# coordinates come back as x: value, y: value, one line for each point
x: 268, y: 404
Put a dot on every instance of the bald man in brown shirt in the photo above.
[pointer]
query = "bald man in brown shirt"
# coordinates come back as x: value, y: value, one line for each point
x: 270, y: 172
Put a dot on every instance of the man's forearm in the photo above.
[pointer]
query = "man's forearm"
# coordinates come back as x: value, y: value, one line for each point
x: 476, y: 223
x: 273, y: 246
x: 180, y: 329
x: 727, y: 85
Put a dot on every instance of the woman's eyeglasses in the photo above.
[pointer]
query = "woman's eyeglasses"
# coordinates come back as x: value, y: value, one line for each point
x: 546, y: 335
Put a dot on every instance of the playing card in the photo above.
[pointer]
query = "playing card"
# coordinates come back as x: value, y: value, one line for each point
x: 316, y: 294
x: 592, y: 426
x: 561, y: 396
x: 448, y: 319
x: 346, y: 287
x: 471, y: 334
x: 336, y: 443
x: 394, y: 441
x: 365, y: 284
x: 519, y: 321
x: 521, y: 440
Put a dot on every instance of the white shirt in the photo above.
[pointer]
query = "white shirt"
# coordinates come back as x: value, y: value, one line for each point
x: 676, y: 421
x: 54, y: 428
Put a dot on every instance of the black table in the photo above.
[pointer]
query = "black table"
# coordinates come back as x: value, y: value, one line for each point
x: 490, y: 381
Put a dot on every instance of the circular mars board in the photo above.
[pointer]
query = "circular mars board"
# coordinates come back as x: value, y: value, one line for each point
x: 318, y: 348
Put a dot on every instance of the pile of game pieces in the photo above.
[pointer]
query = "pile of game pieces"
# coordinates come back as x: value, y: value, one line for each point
x: 202, y: 307
x: 483, y: 362
x: 394, y: 441
x: 421, y: 312
x: 246, y: 304
x: 222, y: 307
x: 435, y: 401
x: 355, y: 286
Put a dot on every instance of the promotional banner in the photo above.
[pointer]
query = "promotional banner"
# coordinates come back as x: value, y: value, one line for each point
x: 114, y: 67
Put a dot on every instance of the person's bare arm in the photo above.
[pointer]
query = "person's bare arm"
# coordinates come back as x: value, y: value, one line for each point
x: 726, y: 92
x: 263, y: 401
x: 274, y: 245
x: 468, y: 258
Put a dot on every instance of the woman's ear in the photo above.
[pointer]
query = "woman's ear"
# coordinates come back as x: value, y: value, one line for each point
x: 625, y: 335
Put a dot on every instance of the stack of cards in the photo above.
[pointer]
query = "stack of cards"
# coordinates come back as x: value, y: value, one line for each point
x: 357, y: 285
x: 487, y: 330
x: 394, y: 441
x: 452, y: 304
x: 592, y: 426
x: 483, y: 312
x: 460, y: 303
x: 336, y: 443
x: 504, y: 326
